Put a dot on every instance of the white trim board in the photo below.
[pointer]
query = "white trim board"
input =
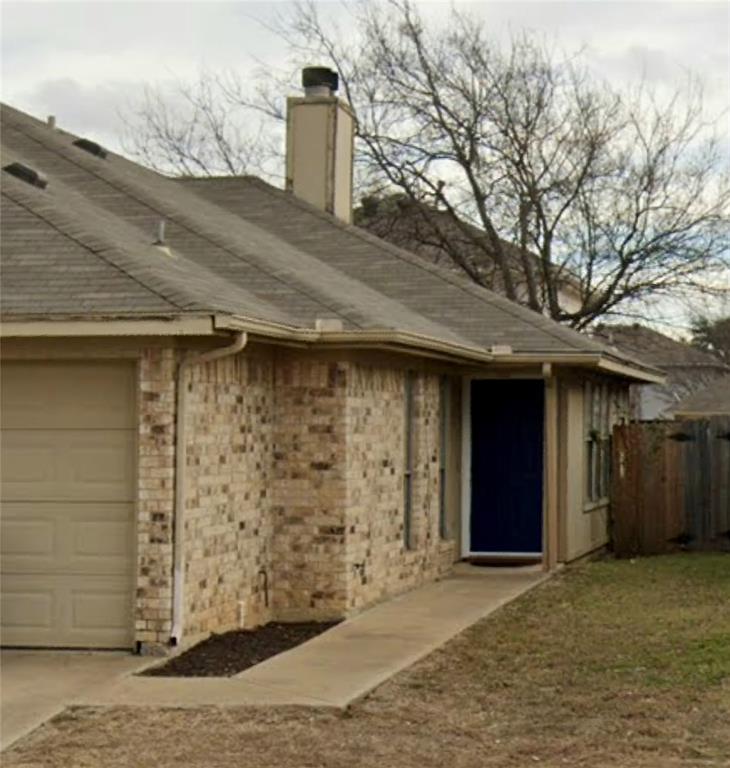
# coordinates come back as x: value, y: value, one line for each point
x: 466, y: 466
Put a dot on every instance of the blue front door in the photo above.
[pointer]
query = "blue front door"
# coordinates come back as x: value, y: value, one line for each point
x: 507, y: 421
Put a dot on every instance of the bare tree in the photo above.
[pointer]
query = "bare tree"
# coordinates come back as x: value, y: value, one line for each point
x: 588, y: 201
x: 203, y: 128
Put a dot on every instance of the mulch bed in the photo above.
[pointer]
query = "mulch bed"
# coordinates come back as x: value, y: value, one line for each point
x: 231, y: 652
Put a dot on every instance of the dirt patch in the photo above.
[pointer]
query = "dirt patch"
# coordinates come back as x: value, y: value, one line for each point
x: 229, y: 653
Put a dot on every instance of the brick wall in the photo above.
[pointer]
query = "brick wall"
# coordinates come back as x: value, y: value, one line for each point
x: 228, y: 493
x: 309, y: 579
x: 379, y: 564
x: 156, y: 495
x: 294, y: 481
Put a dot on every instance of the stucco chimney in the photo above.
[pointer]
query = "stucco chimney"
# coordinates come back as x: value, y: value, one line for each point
x: 319, y: 144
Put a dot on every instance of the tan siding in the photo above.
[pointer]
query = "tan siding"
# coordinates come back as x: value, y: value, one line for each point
x: 583, y: 528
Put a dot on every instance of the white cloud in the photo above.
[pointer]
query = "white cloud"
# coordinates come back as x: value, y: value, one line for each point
x: 115, y: 47
x: 94, y: 109
x: 87, y: 62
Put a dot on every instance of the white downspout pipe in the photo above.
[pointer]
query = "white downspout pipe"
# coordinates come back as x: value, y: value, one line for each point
x: 178, y: 588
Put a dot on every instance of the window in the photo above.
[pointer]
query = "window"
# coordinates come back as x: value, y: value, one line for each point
x: 597, y: 435
x: 408, y: 460
x: 444, y: 412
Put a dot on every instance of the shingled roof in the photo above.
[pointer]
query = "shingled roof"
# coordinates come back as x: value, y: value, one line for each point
x: 712, y: 400
x: 422, y: 229
x: 657, y: 348
x: 84, y: 247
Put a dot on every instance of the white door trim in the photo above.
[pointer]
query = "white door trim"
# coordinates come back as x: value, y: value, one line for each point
x: 466, y: 466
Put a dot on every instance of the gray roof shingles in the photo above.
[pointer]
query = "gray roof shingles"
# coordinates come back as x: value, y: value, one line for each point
x: 714, y: 399
x: 84, y: 245
x: 482, y: 316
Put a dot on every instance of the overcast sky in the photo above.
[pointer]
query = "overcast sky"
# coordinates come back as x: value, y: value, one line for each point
x: 87, y: 62
x: 83, y: 62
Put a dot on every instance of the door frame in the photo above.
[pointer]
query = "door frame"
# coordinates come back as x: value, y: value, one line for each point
x: 549, y: 510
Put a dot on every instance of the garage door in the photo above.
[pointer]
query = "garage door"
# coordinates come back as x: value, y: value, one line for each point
x: 67, y: 487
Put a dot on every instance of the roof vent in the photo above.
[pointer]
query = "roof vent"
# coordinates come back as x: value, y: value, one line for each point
x: 28, y: 174
x: 91, y: 147
x: 160, y: 233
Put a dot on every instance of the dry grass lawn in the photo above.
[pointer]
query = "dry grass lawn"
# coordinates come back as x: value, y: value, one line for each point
x: 612, y: 663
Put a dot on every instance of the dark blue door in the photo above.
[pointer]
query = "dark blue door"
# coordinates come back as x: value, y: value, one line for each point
x: 507, y: 421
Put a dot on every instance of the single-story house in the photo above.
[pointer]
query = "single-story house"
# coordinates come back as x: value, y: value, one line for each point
x: 687, y: 369
x: 223, y: 404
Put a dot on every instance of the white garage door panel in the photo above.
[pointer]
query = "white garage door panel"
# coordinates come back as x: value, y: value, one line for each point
x: 105, y: 541
x: 67, y: 395
x: 70, y: 612
x: 102, y: 611
x: 24, y: 606
x: 48, y: 537
x: 94, y: 465
x: 68, y: 487
x: 24, y: 536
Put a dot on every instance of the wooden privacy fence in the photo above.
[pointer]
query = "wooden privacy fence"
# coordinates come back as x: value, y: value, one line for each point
x: 671, y: 486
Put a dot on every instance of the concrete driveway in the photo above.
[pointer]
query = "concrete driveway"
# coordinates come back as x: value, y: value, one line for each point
x: 36, y: 685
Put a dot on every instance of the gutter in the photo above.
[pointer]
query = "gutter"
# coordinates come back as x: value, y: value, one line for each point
x: 143, y: 326
x: 403, y: 341
x: 178, y: 599
x: 416, y: 343
x: 407, y: 341
x: 593, y: 360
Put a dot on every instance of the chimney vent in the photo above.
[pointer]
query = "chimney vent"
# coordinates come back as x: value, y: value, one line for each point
x: 51, y: 122
x: 320, y: 81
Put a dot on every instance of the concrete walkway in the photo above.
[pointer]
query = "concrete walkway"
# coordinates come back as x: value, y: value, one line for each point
x: 333, y: 669
x: 347, y: 661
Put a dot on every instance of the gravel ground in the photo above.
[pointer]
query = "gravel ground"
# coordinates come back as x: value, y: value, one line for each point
x: 615, y: 663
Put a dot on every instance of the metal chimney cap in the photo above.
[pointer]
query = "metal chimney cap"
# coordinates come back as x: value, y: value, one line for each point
x: 317, y: 77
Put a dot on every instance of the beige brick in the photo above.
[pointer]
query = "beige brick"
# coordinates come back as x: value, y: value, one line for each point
x: 294, y: 479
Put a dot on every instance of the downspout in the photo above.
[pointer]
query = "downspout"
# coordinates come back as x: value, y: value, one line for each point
x: 178, y: 589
